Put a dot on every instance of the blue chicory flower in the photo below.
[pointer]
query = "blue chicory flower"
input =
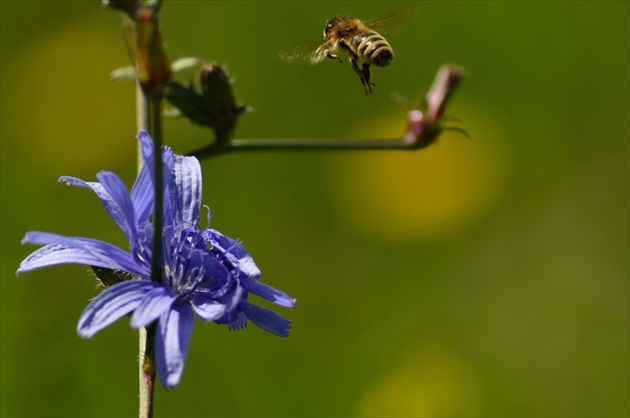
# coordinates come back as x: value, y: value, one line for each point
x: 203, y: 271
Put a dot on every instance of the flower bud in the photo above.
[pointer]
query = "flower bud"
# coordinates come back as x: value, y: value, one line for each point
x: 424, y: 125
x: 128, y: 6
x: 151, y: 61
x: 446, y: 80
x: 188, y: 101
x: 220, y: 106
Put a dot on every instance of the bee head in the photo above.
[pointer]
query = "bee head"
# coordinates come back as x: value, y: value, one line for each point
x: 330, y: 24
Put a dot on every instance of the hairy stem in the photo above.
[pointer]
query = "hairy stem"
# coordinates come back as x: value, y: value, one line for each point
x: 155, y: 105
x: 145, y: 353
x: 147, y: 371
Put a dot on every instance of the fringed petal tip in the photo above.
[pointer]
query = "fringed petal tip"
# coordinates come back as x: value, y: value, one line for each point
x: 239, y: 323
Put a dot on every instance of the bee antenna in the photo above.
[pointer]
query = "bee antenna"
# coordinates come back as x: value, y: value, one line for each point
x: 401, y: 100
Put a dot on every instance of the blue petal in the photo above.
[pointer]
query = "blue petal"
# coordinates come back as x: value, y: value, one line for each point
x: 112, y: 304
x: 142, y: 193
x: 171, y: 343
x: 239, y: 323
x: 206, y: 308
x: 156, y: 303
x: 268, y: 292
x: 186, y: 189
x: 112, y: 208
x: 146, y: 146
x: 118, y: 191
x: 218, y: 280
x: 63, y: 250
x: 236, y: 253
x: 266, y: 319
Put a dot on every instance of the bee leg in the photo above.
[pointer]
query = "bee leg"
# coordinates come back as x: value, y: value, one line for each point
x: 364, y: 73
x: 367, y: 76
x: 334, y: 57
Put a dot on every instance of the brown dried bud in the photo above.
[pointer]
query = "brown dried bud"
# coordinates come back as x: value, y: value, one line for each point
x: 152, y: 64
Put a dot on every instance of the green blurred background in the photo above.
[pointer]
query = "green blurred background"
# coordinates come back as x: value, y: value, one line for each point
x: 482, y: 277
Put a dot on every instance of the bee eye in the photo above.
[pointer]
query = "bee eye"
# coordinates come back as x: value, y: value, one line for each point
x: 329, y: 24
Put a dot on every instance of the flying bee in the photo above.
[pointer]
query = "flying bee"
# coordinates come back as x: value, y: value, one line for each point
x: 355, y: 37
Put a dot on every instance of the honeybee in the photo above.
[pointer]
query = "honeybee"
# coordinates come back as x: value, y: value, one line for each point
x: 357, y: 38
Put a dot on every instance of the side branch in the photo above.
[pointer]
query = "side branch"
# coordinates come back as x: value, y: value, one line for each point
x: 423, y: 127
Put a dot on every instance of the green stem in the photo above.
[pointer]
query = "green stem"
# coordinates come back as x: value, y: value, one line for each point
x: 305, y: 144
x: 319, y: 144
x: 146, y: 336
x: 155, y: 102
x: 302, y: 144
x: 423, y: 128
x: 147, y: 371
x: 150, y: 116
x: 142, y: 120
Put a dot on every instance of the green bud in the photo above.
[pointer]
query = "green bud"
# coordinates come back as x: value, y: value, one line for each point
x: 152, y: 64
x: 189, y: 102
x: 221, y: 108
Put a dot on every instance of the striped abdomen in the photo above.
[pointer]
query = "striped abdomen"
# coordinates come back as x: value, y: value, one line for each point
x: 373, y: 48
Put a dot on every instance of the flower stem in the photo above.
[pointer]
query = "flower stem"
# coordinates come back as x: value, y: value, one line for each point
x: 423, y: 127
x: 146, y: 336
x: 318, y: 144
x: 155, y: 105
x: 147, y: 371
x: 142, y: 120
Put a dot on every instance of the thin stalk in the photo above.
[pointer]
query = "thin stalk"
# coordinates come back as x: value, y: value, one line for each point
x: 147, y: 371
x: 155, y: 105
x: 152, y: 115
x: 147, y: 366
x: 146, y: 336
x: 319, y: 144
x: 142, y: 120
x: 423, y: 128
x: 304, y: 144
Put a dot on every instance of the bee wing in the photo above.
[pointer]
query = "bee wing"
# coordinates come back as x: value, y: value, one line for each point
x: 309, y: 52
x: 390, y: 22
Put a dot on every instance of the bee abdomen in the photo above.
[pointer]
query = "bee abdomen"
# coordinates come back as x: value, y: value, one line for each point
x: 373, y: 48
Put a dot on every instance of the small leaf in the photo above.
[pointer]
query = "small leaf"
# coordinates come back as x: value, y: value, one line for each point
x: 123, y: 74
x: 184, y: 63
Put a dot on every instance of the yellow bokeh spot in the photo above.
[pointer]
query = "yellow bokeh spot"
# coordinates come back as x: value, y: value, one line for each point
x: 402, y: 195
x: 427, y: 382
